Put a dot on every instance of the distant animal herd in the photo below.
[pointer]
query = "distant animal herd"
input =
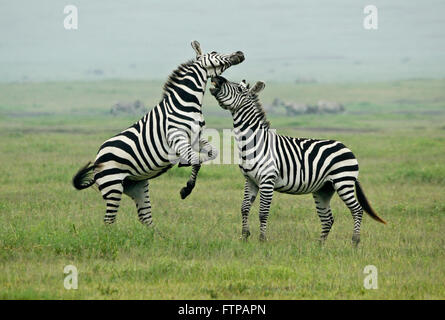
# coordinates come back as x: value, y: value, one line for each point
x: 297, y: 108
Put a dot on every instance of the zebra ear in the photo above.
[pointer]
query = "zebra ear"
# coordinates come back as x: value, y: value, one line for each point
x: 197, y: 47
x: 259, y: 86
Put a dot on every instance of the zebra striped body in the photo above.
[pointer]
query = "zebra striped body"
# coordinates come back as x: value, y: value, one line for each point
x: 300, y: 165
x: 272, y: 162
x: 167, y: 135
x: 139, y: 152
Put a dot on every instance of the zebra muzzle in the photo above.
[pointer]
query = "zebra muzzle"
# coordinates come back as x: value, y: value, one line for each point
x: 237, y: 58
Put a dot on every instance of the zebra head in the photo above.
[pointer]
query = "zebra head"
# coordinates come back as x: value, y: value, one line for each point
x: 216, y: 63
x: 232, y: 96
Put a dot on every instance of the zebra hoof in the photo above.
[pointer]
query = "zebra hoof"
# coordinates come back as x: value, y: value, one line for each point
x: 212, y: 155
x: 245, y: 235
x: 263, y: 238
x: 355, y: 240
x: 185, y: 192
x: 148, y: 222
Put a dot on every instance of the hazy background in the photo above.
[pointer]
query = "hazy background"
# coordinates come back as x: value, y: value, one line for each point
x: 283, y: 40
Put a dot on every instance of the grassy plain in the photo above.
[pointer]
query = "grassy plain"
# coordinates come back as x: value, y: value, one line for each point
x: 48, y: 130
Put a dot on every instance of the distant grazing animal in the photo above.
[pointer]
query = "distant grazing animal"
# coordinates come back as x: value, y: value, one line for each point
x: 270, y: 161
x: 168, y: 134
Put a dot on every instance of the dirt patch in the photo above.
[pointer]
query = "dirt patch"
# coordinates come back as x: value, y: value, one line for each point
x: 424, y: 112
x: 407, y: 101
x: 333, y: 129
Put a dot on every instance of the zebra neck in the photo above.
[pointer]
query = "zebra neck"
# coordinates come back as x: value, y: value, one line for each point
x: 185, y: 88
x: 250, y: 130
x: 248, y: 118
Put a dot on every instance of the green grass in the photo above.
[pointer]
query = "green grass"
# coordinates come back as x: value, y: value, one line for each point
x: 48, y: 130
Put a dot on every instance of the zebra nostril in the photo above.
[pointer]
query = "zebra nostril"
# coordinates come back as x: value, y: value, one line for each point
x: 237, y: 57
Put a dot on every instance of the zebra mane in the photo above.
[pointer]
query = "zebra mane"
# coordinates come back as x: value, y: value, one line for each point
x: 175, y: 74
x: 257, y: 104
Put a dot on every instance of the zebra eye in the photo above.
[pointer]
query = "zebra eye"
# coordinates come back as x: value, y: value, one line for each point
x: 240, y: 90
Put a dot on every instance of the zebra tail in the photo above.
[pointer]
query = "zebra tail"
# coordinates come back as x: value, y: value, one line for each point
x: 365, y: 203
x: 84, y: 178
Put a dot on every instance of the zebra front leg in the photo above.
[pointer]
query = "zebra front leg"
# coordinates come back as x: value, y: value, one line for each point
x: 138, y: 191
x: 182, y: 147
x: 266, y: 193
x: 206, y: 153
x: 185, y: 191
x: 250, y: 193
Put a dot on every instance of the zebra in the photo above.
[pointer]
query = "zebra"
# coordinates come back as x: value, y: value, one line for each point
x: 270, y: 161
x: 166, y: 135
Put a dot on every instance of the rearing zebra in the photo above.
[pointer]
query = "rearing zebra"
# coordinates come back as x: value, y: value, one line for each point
x: 168, y: 134
x: 270, y: 161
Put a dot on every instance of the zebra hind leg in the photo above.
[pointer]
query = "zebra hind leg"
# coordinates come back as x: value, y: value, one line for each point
x: 322, y: 200
x: 112, y: 196
x: 266, y: 189
x: 346, y: 193
x: 138, y: 191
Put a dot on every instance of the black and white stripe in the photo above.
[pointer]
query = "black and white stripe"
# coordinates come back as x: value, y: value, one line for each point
x: 270, y: 161
x: 168, y: 134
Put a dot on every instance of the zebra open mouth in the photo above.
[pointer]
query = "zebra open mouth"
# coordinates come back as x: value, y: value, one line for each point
x: 214, y: 91
x: 217, y: 83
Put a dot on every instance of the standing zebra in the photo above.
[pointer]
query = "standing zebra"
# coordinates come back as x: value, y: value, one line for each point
x: 270, y: 161
x: 168, y: 134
